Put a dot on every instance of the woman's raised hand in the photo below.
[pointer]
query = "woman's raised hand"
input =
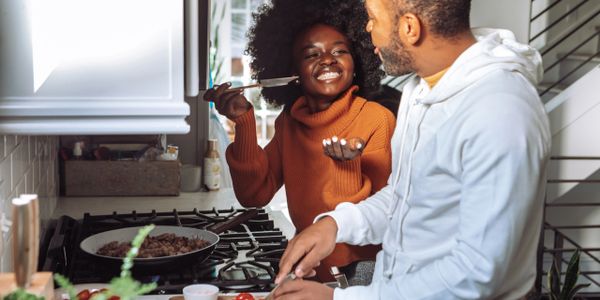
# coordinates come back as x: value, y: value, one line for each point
x: 230, y: 103
x: 343, y: 149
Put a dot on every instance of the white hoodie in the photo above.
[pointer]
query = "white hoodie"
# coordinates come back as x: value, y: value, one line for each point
x: 461, y: 215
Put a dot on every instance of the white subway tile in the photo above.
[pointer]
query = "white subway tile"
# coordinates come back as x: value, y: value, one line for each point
x: 20, y: 188
x: 19, y: 163
x: 2, y: 234
x: 29, y: 181
x: 8, y: 205
x: 4, y: 192
x: 30, y: 149
x: 35, y: 180
x: 5, y: 173
x: 7, y: 257
x: 2, y: 146
x: 27, y: 165
x: 11, y: 143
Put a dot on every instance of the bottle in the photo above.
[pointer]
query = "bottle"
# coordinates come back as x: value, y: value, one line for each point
x: 77, y: 150
x: 212, y: 166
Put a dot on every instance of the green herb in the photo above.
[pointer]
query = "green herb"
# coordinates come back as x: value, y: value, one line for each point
x: 21, y: 294
x: 124, y: 286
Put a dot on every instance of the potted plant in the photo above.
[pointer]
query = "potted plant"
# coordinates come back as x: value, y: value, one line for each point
x: 569, y: 288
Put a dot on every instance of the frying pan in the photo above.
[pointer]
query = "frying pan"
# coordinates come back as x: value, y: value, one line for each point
x: 91, y: 244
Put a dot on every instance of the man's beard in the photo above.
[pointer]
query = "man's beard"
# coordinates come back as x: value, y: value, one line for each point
x: 396, y: 60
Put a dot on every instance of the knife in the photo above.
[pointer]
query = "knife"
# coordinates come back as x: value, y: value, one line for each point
x: 287, y: 278
x: 267, y: 83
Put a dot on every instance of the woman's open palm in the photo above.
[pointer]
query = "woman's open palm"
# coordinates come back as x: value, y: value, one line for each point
x: 343, y: 149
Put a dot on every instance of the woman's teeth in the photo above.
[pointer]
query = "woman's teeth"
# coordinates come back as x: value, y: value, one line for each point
x: 328, y: 75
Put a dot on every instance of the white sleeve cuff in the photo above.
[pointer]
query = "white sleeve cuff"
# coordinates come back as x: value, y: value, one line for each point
x: 349, y: 222
x: 356, y: 293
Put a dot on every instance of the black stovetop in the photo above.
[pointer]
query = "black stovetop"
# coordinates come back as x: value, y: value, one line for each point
x: 245, y: 259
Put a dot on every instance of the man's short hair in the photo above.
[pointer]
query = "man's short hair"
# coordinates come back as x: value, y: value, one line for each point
x: 446, y: 18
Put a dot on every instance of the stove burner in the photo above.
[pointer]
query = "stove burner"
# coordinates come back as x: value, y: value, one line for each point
x: 245, y: 259
x: 238, y: 274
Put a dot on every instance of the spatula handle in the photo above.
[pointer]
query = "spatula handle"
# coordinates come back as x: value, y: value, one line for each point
x: 239, y: 88
x: 235, y: 221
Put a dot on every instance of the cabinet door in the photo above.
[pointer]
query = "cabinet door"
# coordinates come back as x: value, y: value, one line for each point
x: 92, y: 67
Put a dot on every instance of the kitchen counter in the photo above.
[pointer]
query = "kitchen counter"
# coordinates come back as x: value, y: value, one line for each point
x: 224, y: 198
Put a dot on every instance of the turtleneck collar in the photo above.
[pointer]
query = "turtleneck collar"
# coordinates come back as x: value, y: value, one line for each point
x: 332, y: 120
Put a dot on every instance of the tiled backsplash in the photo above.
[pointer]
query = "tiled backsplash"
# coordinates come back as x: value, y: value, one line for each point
x: 28, y: 165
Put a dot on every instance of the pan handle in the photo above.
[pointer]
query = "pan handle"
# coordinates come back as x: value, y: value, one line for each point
x: 235, y: 221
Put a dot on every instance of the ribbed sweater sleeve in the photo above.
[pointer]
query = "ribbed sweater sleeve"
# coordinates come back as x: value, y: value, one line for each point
x: 256, y: 173
x: 355, y: 180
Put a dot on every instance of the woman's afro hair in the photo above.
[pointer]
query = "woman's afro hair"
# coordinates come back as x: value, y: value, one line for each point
x: 276, y: 24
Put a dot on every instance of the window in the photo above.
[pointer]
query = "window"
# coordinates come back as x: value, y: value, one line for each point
x: 231, y: 21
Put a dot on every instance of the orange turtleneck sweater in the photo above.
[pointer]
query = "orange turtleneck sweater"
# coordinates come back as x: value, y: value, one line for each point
x: 314, y: 182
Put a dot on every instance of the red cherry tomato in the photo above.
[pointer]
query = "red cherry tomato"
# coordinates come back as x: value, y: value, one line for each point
x: 94, y: 293
x: 244, y: 296
x: 83, y: 295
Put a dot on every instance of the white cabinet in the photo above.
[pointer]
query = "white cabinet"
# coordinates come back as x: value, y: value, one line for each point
x: 92, y: 67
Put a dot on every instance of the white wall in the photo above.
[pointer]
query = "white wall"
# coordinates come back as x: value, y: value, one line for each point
x: 574, y: 116
x: 28, y: 165
x: 508, y: 14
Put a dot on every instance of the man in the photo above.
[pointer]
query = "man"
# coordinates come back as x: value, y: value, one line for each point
x: 461, y: 215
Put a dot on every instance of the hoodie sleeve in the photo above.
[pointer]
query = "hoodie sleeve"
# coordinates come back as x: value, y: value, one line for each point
x: 364, y: 223
x: 503, y: 173
x: 256, y: 173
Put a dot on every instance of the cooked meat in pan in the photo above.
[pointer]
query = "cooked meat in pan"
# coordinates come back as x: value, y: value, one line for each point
x: 166, y: 244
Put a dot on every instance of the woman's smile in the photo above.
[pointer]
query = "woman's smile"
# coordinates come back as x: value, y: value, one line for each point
x: 328, y: 76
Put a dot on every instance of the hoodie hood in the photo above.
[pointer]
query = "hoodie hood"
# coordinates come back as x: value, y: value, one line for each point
x: 496, y: 49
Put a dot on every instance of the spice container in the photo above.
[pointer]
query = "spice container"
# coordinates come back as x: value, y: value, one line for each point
x: 212, y: 166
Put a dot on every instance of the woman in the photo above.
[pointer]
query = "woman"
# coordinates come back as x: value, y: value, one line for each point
x: 330, y: 144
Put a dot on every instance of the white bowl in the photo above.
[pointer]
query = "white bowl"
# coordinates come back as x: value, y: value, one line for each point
x: 201, y: 292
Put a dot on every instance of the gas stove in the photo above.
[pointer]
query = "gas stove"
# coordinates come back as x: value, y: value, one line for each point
x: 245, y: 259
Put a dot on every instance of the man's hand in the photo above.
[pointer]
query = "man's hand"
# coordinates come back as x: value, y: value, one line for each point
x: 308, y: 248
x: 230, y: 103
x: 303, y: 289
x: 343, y: 149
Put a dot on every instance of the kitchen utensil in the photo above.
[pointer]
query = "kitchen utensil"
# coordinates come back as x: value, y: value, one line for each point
x: 25, y: 235
x: 339, y: 277
x: 267, y: 83
x: 91, y: 244
x: 287, y: 278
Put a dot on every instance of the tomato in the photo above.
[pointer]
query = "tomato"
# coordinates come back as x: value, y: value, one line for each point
x: 244, y: 296
x: 94, y: 293
x: 83, y: 295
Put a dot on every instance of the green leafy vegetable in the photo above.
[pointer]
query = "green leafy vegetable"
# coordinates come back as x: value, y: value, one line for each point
x: 124, y: 286
x: 21, y: 294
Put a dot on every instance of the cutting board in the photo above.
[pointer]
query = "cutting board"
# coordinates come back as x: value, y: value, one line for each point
x: 227, y: 296
x: 42, y: 284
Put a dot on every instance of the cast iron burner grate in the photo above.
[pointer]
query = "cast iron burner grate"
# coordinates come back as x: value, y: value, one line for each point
x: 246, y: 258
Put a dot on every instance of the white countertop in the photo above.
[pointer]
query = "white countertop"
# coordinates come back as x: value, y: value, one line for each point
x: 224, y: 198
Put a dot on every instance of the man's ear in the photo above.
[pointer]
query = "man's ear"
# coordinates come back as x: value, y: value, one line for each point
x: 410, y: 28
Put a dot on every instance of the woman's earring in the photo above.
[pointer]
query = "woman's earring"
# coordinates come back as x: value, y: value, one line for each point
x: 296, y: 81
